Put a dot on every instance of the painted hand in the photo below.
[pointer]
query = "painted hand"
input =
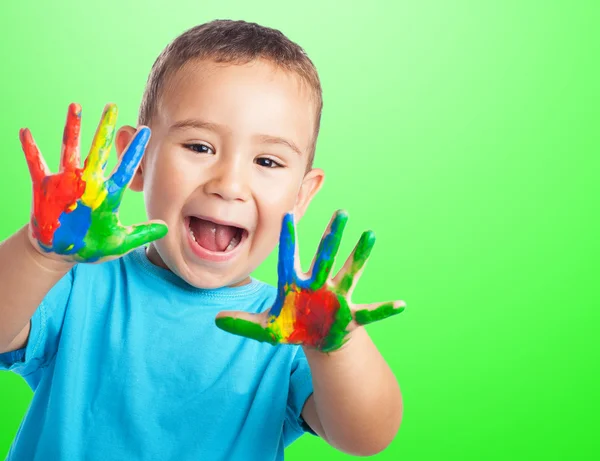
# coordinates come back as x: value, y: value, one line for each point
x: 75, y: 212
x: 313, y: 309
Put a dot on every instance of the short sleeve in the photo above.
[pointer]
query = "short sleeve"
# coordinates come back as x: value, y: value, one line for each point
x: 300, y: 390
x: 44, y: 335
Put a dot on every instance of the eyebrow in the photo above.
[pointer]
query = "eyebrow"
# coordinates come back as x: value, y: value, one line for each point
x: 194, y: 123
x: 264, y: 138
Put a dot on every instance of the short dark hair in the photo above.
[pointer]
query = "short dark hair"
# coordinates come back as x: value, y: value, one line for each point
x: 235, y: 42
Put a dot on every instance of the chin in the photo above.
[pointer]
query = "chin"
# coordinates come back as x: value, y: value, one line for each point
x: 208, y: 281
x: 206, y: 276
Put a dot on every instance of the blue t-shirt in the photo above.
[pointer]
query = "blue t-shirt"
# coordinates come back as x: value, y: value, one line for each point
x: 126, y: 363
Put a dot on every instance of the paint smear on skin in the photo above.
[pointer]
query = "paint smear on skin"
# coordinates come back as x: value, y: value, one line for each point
x: 75, y: 211
x: 365, y: 316
x: 70, y: 144
x: 359, y: 258
x: 52, y: 194
x: 307, y: 316
x: 315, y: 315
x: 74, y: 225
x: 328, y: 248
x: 309, y: 311
x: 246, y: 328
x: 56, y: 195
x: 316, y: 319
x: 285, y: 322
x: 338, y: 335
x: 93, y: 171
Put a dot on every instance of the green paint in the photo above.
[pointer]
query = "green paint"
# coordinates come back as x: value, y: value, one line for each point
x: 364, y: 247
x: 107, y: 237
x: 338, y: 332
x: 103, y: 140
x: 291, y: 230
x: 322, y: 274
x: 346, y: 283
x: 328, y: 249
x: 274, y: 329
x: 365, y: 316
x: 247, y: 329
x: 359, y: 258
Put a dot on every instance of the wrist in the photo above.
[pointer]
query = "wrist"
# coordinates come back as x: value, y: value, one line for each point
x: 318, y: 353
x: 49, y: 262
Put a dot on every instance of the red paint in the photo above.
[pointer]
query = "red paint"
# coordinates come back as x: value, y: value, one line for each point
x: 315, y: 314
x: 37, y: 167
x: 52, y: 194
x: 70, y: 148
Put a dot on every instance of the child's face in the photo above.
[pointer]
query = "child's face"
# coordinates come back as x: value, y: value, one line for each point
x: 230, y: 145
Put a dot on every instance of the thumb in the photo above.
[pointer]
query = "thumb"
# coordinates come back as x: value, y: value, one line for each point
x: 246, y: 324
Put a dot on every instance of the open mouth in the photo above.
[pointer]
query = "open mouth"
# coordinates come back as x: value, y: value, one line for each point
x: 215, y: 237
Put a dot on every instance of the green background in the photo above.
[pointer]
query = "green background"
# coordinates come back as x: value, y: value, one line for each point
x: 464, y: 133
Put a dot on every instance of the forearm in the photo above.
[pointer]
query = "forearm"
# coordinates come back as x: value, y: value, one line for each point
x: 357, y: 398
x: 26, y: 276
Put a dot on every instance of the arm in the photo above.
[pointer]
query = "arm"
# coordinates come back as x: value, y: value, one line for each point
x: 356, y: 406
x: 21, y: 264
x: 73, y: 213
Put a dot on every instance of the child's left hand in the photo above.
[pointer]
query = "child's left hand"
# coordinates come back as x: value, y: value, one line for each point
x: 313, y: 309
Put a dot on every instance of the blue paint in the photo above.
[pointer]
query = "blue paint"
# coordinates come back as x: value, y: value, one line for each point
x: 285, y: 265
x: 129, y: 163
x: 327, y: 251
x: 73, y: 228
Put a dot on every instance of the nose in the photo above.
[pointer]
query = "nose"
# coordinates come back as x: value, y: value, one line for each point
x: 229, y: 181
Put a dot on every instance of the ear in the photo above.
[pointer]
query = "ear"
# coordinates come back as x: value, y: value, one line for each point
x: 312, y: 182
x: 122, y: 140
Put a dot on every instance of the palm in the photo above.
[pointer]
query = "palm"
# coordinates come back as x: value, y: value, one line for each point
x: 75, y: 212
x: 313, y: 309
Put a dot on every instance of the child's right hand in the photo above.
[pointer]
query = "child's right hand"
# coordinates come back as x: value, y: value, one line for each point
x: 75, y: 212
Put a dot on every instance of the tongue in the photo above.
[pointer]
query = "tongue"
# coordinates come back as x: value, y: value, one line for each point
x: 213, y: 237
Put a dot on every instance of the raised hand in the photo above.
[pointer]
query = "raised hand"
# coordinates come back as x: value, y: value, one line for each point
x: 313, y: 309
x: 75, y: 212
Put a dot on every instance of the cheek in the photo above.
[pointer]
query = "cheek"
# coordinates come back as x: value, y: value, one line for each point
x: 272, y: 203
x: 165, y: 187
x: 277, y: 194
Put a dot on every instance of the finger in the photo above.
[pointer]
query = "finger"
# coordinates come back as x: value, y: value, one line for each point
x: 348, y: 276
x: 102, y: 142
x: 327, y: 251
x: 69, y: 156
x: 139, y: 235
x: 287, y: 250
x: 286, y: 269
x: 369, y: 313
x: 247, y: 325
x: 129, y: 162
x: 35, y: 161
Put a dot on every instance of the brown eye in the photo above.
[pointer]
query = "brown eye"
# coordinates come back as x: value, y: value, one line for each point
x: 268, y: 163
x: 199, y: 148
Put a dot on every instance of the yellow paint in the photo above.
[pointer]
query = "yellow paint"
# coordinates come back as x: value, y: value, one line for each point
x: 95, y: 192
x: 287, y: 317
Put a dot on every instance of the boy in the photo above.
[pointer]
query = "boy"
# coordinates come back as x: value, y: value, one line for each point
x: 124, y: 356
